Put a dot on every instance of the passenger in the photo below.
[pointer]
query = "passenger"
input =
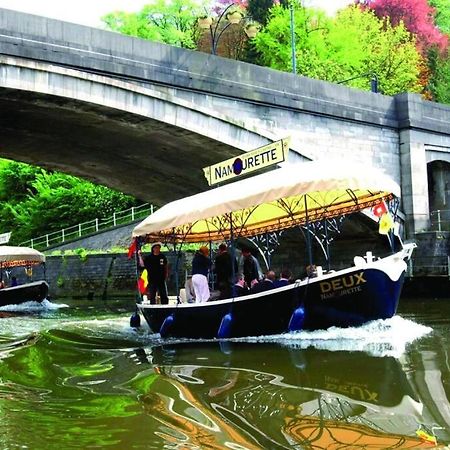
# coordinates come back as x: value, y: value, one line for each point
x: 285, y: 278
x: 249, y: 267
x: 311, y: 271
x: 201, y: 264
x: 158, y: 271
x: 240, y: 288
x: 266, y: 284
x: 223, y: 269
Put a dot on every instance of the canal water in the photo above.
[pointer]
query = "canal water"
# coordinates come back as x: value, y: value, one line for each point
x: 76, y: 376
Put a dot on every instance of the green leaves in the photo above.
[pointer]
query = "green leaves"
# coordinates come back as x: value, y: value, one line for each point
x: 354, y: 45
x: 171, y: 22
x: 36, y: 202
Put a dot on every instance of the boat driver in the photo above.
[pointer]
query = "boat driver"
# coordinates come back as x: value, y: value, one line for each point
x: 158, y: 271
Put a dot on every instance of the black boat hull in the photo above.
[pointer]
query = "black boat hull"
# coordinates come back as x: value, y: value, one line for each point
x: 346, y: 298
x: 35, y: 291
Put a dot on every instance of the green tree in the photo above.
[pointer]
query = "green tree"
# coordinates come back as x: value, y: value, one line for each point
x: 439, y: 84
x: 353, y: 45
x: 36, y: 202
x: 171, y: 22
x: 442, y: 14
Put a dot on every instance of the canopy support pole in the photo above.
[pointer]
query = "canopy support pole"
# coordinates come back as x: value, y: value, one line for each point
x: 308, y: 236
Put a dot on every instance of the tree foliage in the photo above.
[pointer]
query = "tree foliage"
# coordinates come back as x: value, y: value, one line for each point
x: 439, y: 83
x: 418, y: 18
x: 441, y: 15
x: 171, y: 22
x: 353, y: 46
x: 35, y: 201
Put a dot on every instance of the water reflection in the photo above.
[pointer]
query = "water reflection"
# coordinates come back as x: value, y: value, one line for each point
x: 272, y: 397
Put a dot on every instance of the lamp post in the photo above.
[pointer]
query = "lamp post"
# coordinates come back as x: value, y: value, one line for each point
x: 233, y: 15
x: 294, y: 60
x: 373, y: 80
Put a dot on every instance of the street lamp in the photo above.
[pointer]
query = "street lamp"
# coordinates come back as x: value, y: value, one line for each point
x: 232, y: 14
x: 294, y: 60
x: 373, y: 80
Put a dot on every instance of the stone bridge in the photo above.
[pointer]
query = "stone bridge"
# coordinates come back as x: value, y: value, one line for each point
x: 144, y: 117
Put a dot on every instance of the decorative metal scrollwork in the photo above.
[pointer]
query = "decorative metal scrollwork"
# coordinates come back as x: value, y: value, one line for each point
x: 266, y: 244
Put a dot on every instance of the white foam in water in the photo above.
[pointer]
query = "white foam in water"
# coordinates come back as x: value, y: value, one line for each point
x: 116, y: 328
x: 32, y: 306
x: 379, y: 338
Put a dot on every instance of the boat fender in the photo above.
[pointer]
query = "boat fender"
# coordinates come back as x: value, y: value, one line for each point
x: 297, y: 319
x: 164, y: 331
x: 224, y: 331
x: 135, y: 320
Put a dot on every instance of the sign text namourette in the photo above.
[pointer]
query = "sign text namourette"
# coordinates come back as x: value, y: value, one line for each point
x: 257, y: 159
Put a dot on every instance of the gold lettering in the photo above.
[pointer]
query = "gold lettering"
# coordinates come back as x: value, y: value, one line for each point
x: 357, y: 391
x: 348, y: 282
x: 336, y: 284
x: 325, y: 287
x: 359, y: 278
x: 372, y: 396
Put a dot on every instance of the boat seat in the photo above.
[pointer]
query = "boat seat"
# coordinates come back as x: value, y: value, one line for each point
x: 359, y: 261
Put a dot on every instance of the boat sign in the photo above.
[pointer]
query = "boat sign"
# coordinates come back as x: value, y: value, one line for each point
x: 4, y: 238
x: 257, y: 159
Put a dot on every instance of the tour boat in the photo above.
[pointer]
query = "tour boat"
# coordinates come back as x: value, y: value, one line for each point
x: 12, y: 257
x: 297, y: 195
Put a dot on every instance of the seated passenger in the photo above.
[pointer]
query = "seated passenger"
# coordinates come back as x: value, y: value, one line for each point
x: 311, y: 271
x: 266, y: 284
x: 285, y: 278
x: 240, y: 288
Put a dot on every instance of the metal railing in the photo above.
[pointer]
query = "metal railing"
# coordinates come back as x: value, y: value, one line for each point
x: 429, y: 266
x: 440, y: 220
x: 90, y: 227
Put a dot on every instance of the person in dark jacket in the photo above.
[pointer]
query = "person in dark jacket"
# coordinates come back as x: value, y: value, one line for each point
x: 285, y: 278
x: 158, y: 271
x: 201, y: 264
x: 266, y: 284
x: 249, y: 268
x: 223, y: 268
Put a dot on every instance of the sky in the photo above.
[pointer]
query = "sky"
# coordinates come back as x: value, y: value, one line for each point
x: 89, y: 12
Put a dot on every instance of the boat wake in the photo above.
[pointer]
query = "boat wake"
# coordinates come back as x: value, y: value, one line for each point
x: 45, y: 305
x: 378, y: 338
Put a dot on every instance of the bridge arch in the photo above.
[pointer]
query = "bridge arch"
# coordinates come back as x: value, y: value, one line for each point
x: 115, y: 132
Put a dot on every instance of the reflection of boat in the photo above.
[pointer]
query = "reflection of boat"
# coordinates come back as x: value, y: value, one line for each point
x: 299, y: 195
x: 11, y: 257
x: 311, y: 398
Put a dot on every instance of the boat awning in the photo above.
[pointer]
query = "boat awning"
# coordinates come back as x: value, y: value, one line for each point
x: 19, y: 256
x: 276, y: 200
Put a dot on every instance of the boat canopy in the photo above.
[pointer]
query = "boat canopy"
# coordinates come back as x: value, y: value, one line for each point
x: 19, y: 256
x: 276, y: 200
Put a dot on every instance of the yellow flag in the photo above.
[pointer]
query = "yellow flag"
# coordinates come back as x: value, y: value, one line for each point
x: 386, y: 223
x: 426, y: 437
x: 144, y: 277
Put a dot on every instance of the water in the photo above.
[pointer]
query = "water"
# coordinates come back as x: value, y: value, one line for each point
x: 77, y: 377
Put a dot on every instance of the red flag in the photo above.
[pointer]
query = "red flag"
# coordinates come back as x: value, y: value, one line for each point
x: 132, y: 249
x: 380, y: 209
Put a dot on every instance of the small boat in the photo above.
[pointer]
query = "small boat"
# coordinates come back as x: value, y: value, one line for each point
x: 11, y: 257
x: 298, y: 195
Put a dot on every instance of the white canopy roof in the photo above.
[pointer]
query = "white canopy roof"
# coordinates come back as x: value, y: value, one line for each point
x: 19, y: 256
x: 275, y: 200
